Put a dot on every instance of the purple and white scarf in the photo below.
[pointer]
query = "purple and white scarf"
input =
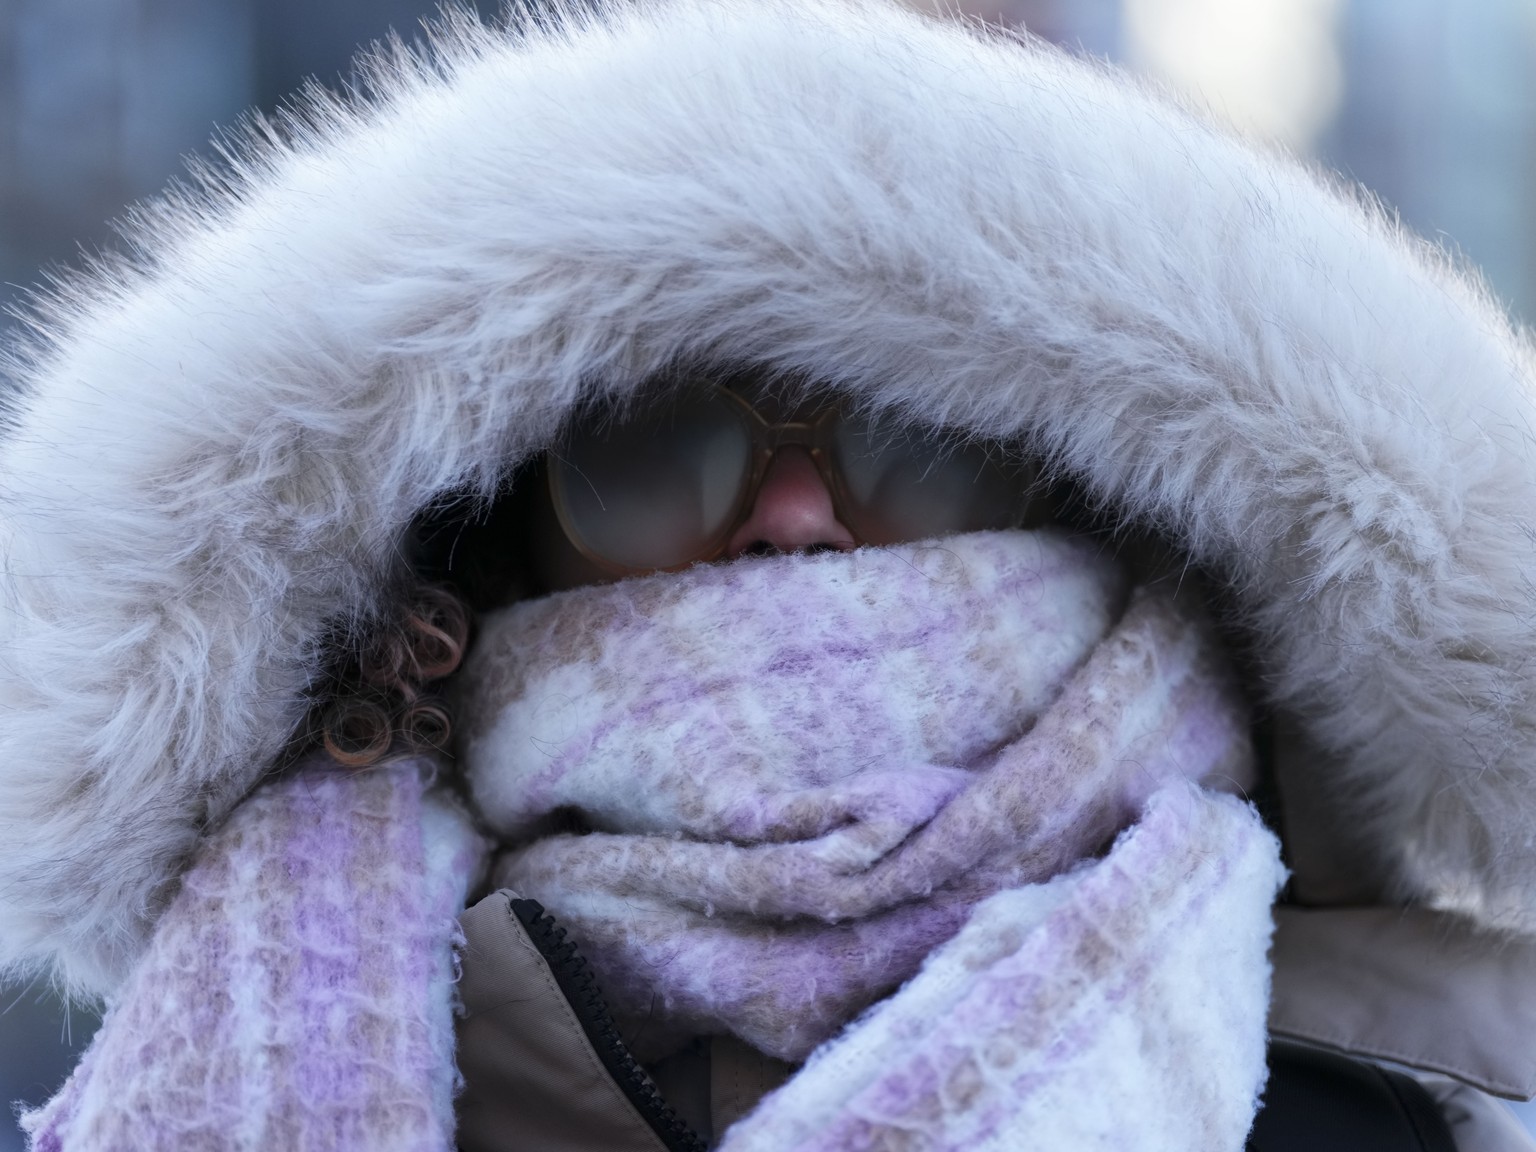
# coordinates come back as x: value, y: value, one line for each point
x: 298, y: 991
x: 951, y: 787
x: 798, y: 777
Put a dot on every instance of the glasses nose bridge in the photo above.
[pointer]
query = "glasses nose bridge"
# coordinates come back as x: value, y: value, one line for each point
x: 772, y: 436
x: 790, y: 434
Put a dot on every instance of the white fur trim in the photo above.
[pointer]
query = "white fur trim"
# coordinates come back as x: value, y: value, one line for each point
x: 216, y: 449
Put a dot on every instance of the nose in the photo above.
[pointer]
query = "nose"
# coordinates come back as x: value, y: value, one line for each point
x: 792, y: 512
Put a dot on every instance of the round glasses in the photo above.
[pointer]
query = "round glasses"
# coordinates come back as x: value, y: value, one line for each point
x: 669, y: 485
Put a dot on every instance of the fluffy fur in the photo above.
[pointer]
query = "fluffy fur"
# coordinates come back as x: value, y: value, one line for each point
x: 213, y: 448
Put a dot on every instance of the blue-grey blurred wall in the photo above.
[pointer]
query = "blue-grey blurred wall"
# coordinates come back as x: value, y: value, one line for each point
x: 1439, y: 119
x: 100, y: 99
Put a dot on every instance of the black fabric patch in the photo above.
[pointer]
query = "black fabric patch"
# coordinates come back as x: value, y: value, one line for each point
x: 1321, y: 1101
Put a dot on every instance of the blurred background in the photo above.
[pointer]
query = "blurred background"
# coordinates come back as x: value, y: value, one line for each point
x: 1429, y: 103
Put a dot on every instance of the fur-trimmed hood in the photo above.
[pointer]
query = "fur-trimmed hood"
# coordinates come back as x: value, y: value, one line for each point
x: 214, y: 447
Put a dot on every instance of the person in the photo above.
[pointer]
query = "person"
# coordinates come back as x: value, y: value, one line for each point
x: 782, y: 805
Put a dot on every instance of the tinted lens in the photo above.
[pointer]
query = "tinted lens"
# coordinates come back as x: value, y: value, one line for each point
x: 656, y: 490
x: 903, y: 484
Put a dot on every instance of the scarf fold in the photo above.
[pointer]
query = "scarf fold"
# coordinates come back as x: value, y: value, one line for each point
x: 809, y: 779
x: 1120, y: 1005
x: 298, y: 990
x: 798, y: 775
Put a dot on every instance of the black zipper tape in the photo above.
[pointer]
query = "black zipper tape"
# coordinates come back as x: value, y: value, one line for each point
x: 579, y: 987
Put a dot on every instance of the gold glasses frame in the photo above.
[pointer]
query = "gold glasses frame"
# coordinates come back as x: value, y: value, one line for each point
x: 814, y: 431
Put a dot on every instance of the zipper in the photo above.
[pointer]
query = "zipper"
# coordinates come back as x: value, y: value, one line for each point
x: 579, y: 986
